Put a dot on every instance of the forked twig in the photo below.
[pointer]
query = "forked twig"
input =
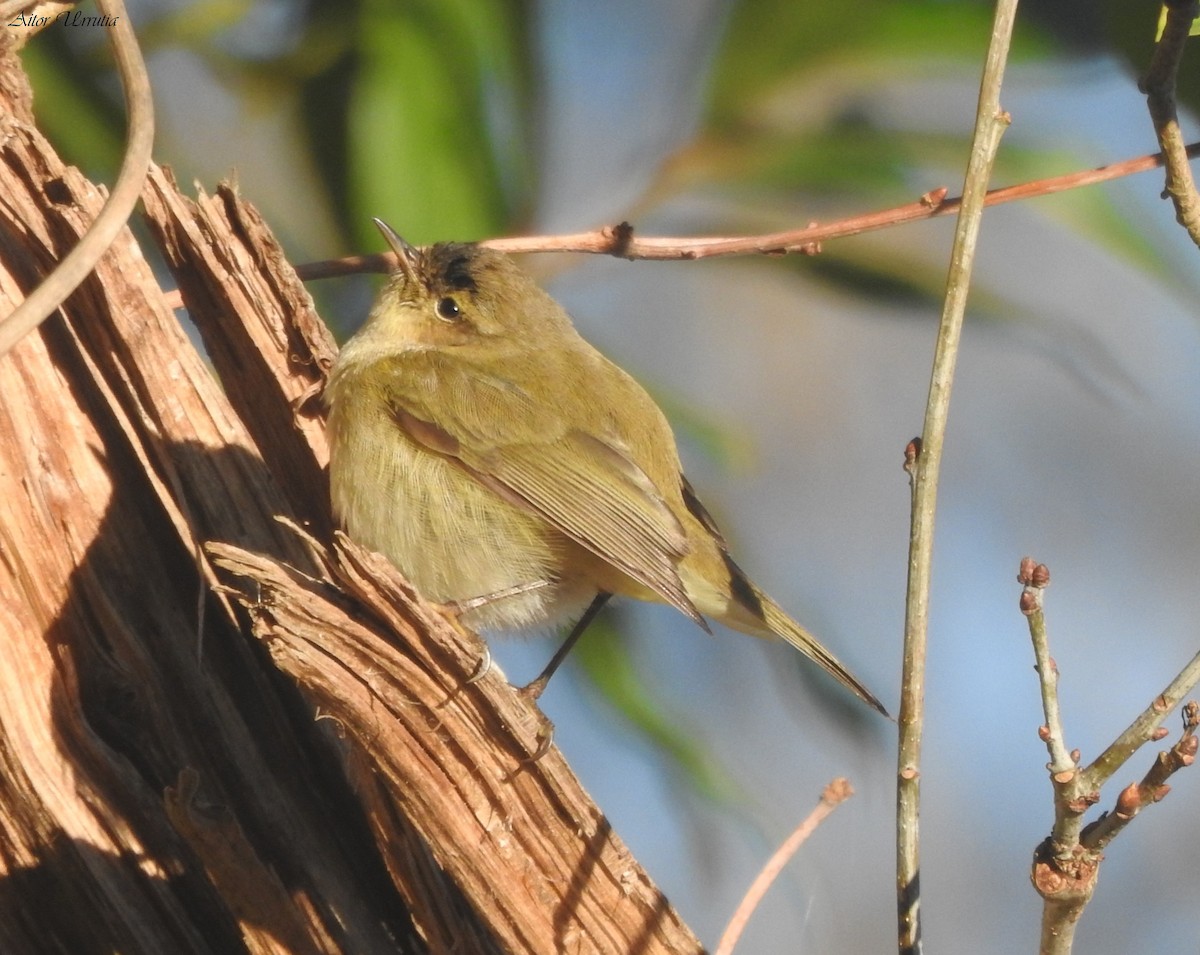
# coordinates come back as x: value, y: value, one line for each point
x: 1067, y: 864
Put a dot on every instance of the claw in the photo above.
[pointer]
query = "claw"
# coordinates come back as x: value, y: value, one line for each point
x: 485, y: 665
x: 544, y: 744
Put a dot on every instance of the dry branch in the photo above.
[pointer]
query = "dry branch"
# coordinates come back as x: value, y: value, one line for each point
x: 520, y: 837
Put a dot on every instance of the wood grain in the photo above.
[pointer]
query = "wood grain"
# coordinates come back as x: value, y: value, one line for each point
x: 216, y: 734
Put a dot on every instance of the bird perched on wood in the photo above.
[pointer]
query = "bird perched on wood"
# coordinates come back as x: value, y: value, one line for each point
x: 510, y: 469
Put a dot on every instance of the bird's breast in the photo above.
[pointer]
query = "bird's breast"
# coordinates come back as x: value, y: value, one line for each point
x: 453, y: 538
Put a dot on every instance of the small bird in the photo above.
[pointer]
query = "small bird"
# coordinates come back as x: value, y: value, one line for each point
x: 512, y: 471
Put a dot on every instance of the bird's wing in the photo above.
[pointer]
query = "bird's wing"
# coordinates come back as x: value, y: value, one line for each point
x: 586, y: 486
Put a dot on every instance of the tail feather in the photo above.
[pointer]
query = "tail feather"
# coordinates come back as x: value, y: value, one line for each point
x: 744, y: 607
x: 762, y: 617
x: 783, y: 626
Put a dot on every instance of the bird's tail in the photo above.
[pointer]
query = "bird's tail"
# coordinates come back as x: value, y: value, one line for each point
x: 785, y: 627
x: 741, y: 605
x: 753, y: 612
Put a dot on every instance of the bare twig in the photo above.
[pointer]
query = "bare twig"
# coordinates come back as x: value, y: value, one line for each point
x: 1071, y: 800
x: 1036, y: 577
x: 990, y: 123
x: 112, y: 218
x: 620, y: 240
x: 1067, y: 864
x: 1153, y: 787
x: 837, y: 792
x: 1143, y: 729
x: 1063, y: 875
x: 1159, y: 86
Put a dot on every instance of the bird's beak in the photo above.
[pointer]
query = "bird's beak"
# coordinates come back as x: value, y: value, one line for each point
x: 405, y: 253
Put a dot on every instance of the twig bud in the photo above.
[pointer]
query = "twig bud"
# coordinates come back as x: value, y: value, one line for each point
x: 1041, y: 576
x: 934, y: 197
x: 912, y: 451
x: 1159, y: 733
x: 1191, y: 715
x: 1129, y: 802
x: 1025, y: 571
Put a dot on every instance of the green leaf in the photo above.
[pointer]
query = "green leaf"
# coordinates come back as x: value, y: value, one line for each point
x: 434, y: 117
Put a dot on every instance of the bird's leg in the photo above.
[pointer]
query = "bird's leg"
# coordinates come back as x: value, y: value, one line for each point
x: 534, y: 690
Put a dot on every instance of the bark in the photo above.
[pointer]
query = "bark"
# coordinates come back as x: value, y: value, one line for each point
x: 218, y: 734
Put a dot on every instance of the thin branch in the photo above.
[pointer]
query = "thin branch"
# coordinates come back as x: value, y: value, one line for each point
x: 1036, y: 577
x: 1153, y: 787
x: 1143, y: 729
x: 620, y: 240
x: 80, y: 261
x: 1159, y: 86
x: 836, y: 793
x: 1065, y: 894
x: 1071, y: 798
x: 990, y: 123
x: 1063, y: 875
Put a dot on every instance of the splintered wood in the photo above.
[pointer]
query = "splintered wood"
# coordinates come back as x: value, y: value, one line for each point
x: 218, y: 734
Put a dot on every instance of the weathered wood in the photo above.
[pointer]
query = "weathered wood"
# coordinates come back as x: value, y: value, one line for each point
x: 267, y: 344
x: 164, y: 785
x: 520, y: 837
x: 119, y: 455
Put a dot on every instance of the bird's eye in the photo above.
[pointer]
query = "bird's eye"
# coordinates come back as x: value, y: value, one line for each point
x: 448, y: 309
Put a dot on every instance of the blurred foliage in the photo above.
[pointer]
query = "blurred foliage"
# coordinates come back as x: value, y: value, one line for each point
x: 436, y: 116
x: 605, y: 658
x: 73, y: 108
x: 1116, y: 27
x: 774, y: 48
x: 418, y: 109
x: 425, y: 110
x: 796, y: 128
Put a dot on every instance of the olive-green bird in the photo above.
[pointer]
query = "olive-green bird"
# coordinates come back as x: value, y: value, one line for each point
x: 507, y: 467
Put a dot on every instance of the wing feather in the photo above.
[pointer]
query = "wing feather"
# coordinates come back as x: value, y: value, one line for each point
x: 586, y: 486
